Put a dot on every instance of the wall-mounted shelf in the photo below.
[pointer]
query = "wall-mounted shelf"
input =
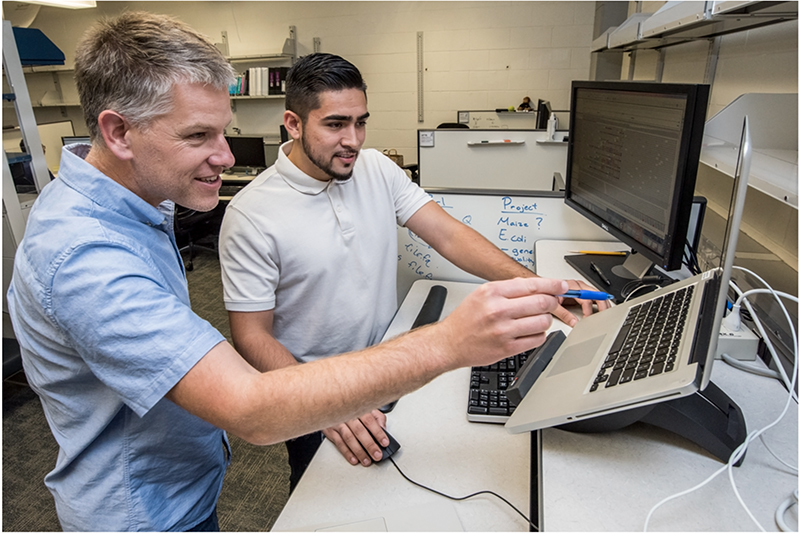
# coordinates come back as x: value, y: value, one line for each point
x: 773, y: 125
x: 261, y: 58
x: 682, y: 22
x: 257, y: 97
x: 33, y: 69
x: 496, y: 142
x: 629, y: 31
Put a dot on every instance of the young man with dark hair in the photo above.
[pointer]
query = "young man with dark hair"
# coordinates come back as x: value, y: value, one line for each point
x: 137, y: 389
x: 309, y: 248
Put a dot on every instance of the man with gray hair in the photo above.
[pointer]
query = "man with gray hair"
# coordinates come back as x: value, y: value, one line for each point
x: 137, y: 389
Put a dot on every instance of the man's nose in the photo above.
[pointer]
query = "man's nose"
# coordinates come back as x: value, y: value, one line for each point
x: 222, y: 156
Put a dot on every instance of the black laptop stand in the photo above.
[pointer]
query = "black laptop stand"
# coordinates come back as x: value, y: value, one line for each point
x: 708, y: 418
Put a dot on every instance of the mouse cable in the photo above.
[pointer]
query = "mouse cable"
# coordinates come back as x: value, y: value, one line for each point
x: 466, y: 496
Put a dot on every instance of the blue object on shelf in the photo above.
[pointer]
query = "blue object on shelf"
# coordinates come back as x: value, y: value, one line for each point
x: 35, y: 48
x: 17, y: 157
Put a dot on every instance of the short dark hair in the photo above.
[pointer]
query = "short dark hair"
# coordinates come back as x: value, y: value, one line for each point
x: 316, y: 73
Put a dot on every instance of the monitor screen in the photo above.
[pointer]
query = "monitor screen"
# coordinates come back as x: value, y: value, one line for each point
x: 543, y: 111
x: 633, y: 153
x: 248, y: 151
x: 72, y: 139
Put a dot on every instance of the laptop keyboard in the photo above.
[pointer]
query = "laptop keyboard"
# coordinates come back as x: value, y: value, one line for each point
x: 648, y: 342
x: 487, y: 390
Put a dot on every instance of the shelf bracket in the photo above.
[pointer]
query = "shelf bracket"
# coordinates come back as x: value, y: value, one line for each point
x: 223, y: 46
x: 420, y: 75
x: 711, y: 61
x: 290, y: 45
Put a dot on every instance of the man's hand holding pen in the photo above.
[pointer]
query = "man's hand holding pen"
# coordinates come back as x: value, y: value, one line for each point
x: 585, y: 295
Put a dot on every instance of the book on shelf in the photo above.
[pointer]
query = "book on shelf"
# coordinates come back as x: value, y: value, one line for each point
x: 260, y: 81
x: 277, y: 80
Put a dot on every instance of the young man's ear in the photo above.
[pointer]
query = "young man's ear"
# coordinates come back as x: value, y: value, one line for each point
x: 293, y: 124
x: 115, y: 128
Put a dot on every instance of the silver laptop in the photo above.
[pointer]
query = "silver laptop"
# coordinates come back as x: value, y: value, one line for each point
x: 586, y: 378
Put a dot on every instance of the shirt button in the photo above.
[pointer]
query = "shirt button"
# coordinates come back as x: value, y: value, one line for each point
x: 338, y: 208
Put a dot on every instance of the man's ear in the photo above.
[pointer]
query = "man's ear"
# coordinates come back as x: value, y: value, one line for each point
x: 293, y: 124
x: 115, y: 129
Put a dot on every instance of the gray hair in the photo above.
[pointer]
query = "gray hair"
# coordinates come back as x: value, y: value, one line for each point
x: 130, y: 63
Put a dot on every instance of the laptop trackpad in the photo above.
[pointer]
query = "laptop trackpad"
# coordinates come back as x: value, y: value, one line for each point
x: 577, y: 356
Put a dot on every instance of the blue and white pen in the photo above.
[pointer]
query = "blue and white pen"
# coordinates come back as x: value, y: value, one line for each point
x: 588, y: 295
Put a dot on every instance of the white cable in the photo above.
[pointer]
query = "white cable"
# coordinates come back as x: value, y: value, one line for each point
x: 781, y: 511
x: 769, y: 373
x: 740, y: 450
x: 780, y: 303
x: 762, y: 331
x: 768, y: 291
x: 750, y: 368
x: 788, y: 465
x: 639, y: 288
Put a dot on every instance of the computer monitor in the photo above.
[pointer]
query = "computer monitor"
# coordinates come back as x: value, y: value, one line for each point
x: 543, y: 111
x: 632, y: 159
x: 72, y: 139
x: 248, y: 151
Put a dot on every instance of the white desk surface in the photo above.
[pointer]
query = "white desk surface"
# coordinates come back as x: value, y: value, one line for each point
x: 592, y: 482
x: 237, y: 177
x: 439, y: 448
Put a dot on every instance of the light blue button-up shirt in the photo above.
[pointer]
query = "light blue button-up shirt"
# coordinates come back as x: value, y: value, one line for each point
x: 100, y: 307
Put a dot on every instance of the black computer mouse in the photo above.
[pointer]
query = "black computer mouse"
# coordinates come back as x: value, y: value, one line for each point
x: 390, y: 449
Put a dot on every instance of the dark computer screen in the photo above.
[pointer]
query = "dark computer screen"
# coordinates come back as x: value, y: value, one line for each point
x: 248, y: 151
x: 71, y: 139
x: 543, y: 111
x: 634, y: 149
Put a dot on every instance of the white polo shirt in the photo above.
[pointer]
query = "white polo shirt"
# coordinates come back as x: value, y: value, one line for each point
x: 323, y: 255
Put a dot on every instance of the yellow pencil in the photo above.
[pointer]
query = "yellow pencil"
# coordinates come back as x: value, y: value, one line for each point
x: 600, y: 252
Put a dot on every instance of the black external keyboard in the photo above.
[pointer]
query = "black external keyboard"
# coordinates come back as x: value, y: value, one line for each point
x: 487, y: 390
x: 229, y: 190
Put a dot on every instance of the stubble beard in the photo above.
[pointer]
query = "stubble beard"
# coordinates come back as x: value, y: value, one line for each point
x: 325, y: 166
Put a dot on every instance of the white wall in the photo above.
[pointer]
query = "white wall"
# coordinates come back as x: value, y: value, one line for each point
x: 477, y: 55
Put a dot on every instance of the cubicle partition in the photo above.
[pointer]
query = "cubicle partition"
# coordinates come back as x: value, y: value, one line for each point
x: 522, y: 160
x: 512, y: 220
x: 503, y: 119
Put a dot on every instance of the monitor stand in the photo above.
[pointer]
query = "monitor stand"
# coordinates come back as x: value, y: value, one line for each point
x: 709, y: 418
x: 617, y: 270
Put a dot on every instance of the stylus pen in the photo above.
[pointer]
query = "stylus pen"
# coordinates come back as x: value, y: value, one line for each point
x: 588, y: 295
x: 593, y: 266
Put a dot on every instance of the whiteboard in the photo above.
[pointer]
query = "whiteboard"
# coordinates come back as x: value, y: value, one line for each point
x: 513, y: 222
x: 490, y: 159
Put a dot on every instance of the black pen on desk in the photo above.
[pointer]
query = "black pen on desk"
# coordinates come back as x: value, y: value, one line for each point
x: 600, y: 273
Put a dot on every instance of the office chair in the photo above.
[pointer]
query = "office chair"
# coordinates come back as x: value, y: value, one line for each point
x: 12, y: 357
x: 193, y: 226
x: 453, y: 125
x: 413, y: 168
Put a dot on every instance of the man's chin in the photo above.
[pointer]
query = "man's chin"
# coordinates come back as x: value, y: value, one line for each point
x: 204, y: 204
x: 342, y: 177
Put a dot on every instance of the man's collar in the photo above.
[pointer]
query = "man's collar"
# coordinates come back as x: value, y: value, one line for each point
x: 102, y: 190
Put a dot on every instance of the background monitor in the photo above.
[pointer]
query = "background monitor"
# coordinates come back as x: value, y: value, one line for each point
x: 248, y: 151
x: 543, y: 111
x: 632, y: 159
x: 72, y: 139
